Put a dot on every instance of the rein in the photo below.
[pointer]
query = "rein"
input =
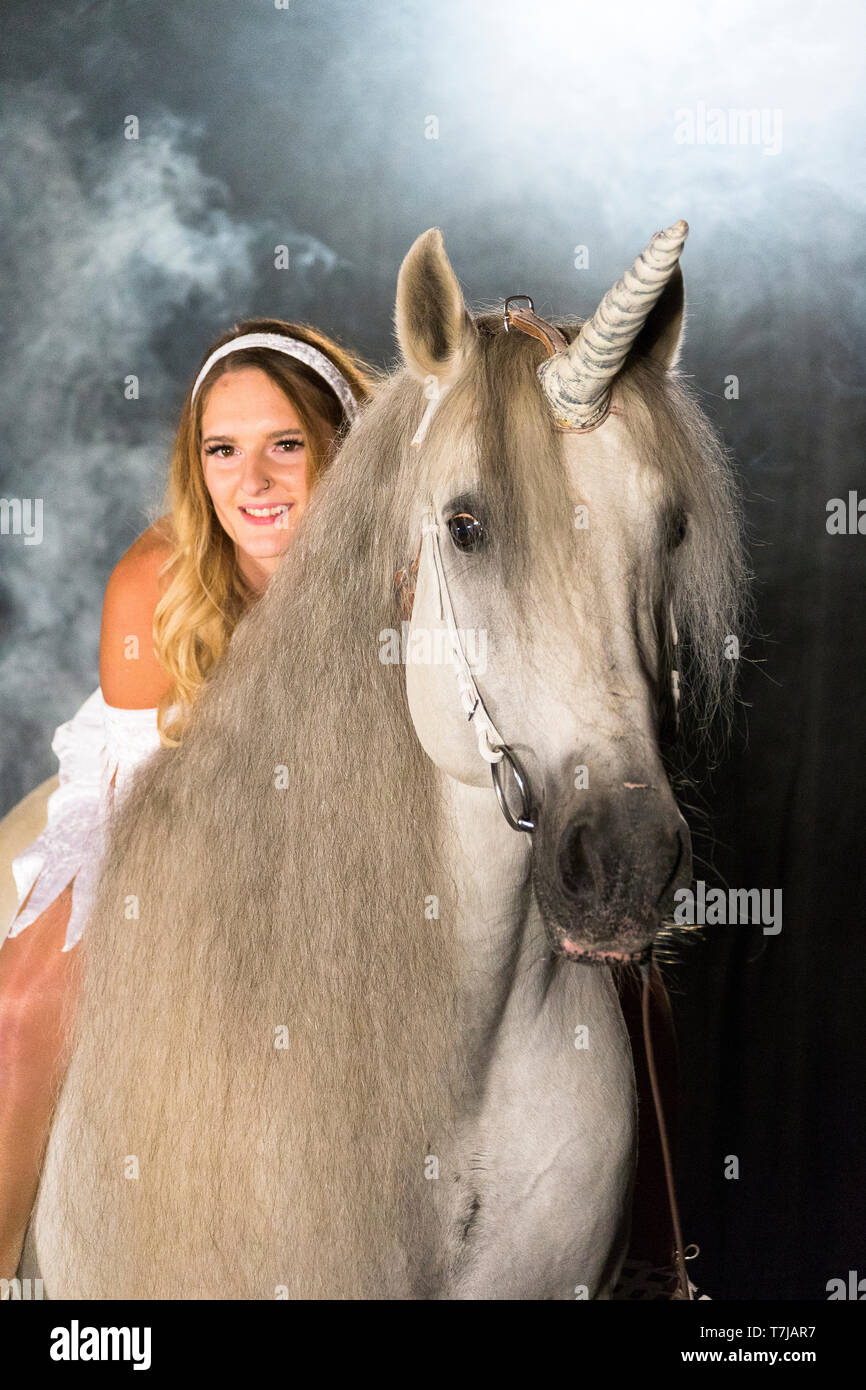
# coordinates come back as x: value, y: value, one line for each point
x: 495, y: 751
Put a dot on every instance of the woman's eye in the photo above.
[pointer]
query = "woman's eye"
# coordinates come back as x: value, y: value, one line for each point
x: 289, y: 446
x: 467, y: 532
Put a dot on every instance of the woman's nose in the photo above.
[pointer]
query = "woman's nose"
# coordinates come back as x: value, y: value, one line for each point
x: 255, y: 471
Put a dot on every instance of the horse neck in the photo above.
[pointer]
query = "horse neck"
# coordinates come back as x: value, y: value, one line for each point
x: 507, y: 969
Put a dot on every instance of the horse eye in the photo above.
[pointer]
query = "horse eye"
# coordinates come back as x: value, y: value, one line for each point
x: 467, y: 532
x: 678, y: 529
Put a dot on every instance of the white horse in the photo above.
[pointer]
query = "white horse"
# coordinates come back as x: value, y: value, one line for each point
x: 349, y: 1025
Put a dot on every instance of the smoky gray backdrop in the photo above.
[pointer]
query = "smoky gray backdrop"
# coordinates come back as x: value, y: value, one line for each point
x: 548, y: 141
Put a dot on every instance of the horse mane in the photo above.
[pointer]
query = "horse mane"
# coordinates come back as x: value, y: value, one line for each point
x: 259, y: 907
x: 279, y: 877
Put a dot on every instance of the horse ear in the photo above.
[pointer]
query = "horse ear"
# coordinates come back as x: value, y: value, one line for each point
x: 661, y: 337
x: 433, y: 324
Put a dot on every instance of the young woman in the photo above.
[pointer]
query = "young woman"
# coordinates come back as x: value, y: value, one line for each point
x: 259, y: 427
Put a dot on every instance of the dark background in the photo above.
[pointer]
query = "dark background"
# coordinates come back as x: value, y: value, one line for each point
x: 306, y: 127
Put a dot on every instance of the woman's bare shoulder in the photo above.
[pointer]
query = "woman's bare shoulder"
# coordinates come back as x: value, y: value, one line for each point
x: 130, y: 674
x: 156, y: 541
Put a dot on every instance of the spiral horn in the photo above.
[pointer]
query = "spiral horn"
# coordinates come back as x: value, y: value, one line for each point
x: 577, y: 381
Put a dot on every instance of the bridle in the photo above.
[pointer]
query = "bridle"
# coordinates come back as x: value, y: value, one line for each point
x: 493, y: 748
x: 491, y: 745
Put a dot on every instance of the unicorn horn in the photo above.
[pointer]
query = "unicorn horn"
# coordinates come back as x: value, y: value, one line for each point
x: 577, y: 381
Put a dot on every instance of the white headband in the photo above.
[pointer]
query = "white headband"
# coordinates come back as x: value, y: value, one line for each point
x: 292, y: 347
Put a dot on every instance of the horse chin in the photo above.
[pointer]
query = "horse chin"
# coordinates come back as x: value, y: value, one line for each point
x: 597, y: 955
x: 615, y: 933
x: 635, y: 948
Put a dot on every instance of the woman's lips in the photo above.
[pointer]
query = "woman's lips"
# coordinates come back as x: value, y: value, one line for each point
x: 266, y: 516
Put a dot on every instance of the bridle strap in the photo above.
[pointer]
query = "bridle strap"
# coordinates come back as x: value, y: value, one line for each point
x: 555, y: 341
x: 529, y: 322
x: 491, y: 745
x: 490, y: 740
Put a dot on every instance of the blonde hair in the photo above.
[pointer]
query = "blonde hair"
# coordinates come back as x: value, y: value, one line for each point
x: 207, y: 595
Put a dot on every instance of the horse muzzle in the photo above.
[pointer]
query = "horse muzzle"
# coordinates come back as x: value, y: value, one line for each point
x: 605, y: 875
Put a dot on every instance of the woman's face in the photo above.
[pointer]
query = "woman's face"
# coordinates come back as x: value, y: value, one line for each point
x: 254, y: 459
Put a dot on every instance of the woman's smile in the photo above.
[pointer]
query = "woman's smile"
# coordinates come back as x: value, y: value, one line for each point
x: 266, y: 516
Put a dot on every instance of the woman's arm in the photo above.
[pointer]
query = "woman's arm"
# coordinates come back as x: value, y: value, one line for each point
x: 112, y: 732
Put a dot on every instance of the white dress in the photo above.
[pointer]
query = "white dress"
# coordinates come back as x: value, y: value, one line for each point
x: 97, y: 742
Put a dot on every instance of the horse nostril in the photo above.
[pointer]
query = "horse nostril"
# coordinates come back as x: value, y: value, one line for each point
x: 578, y: 862
x: 682, y: 850
x: 645, y: 859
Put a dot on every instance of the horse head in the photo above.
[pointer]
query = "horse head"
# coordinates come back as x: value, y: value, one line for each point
x: 566, y: 504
